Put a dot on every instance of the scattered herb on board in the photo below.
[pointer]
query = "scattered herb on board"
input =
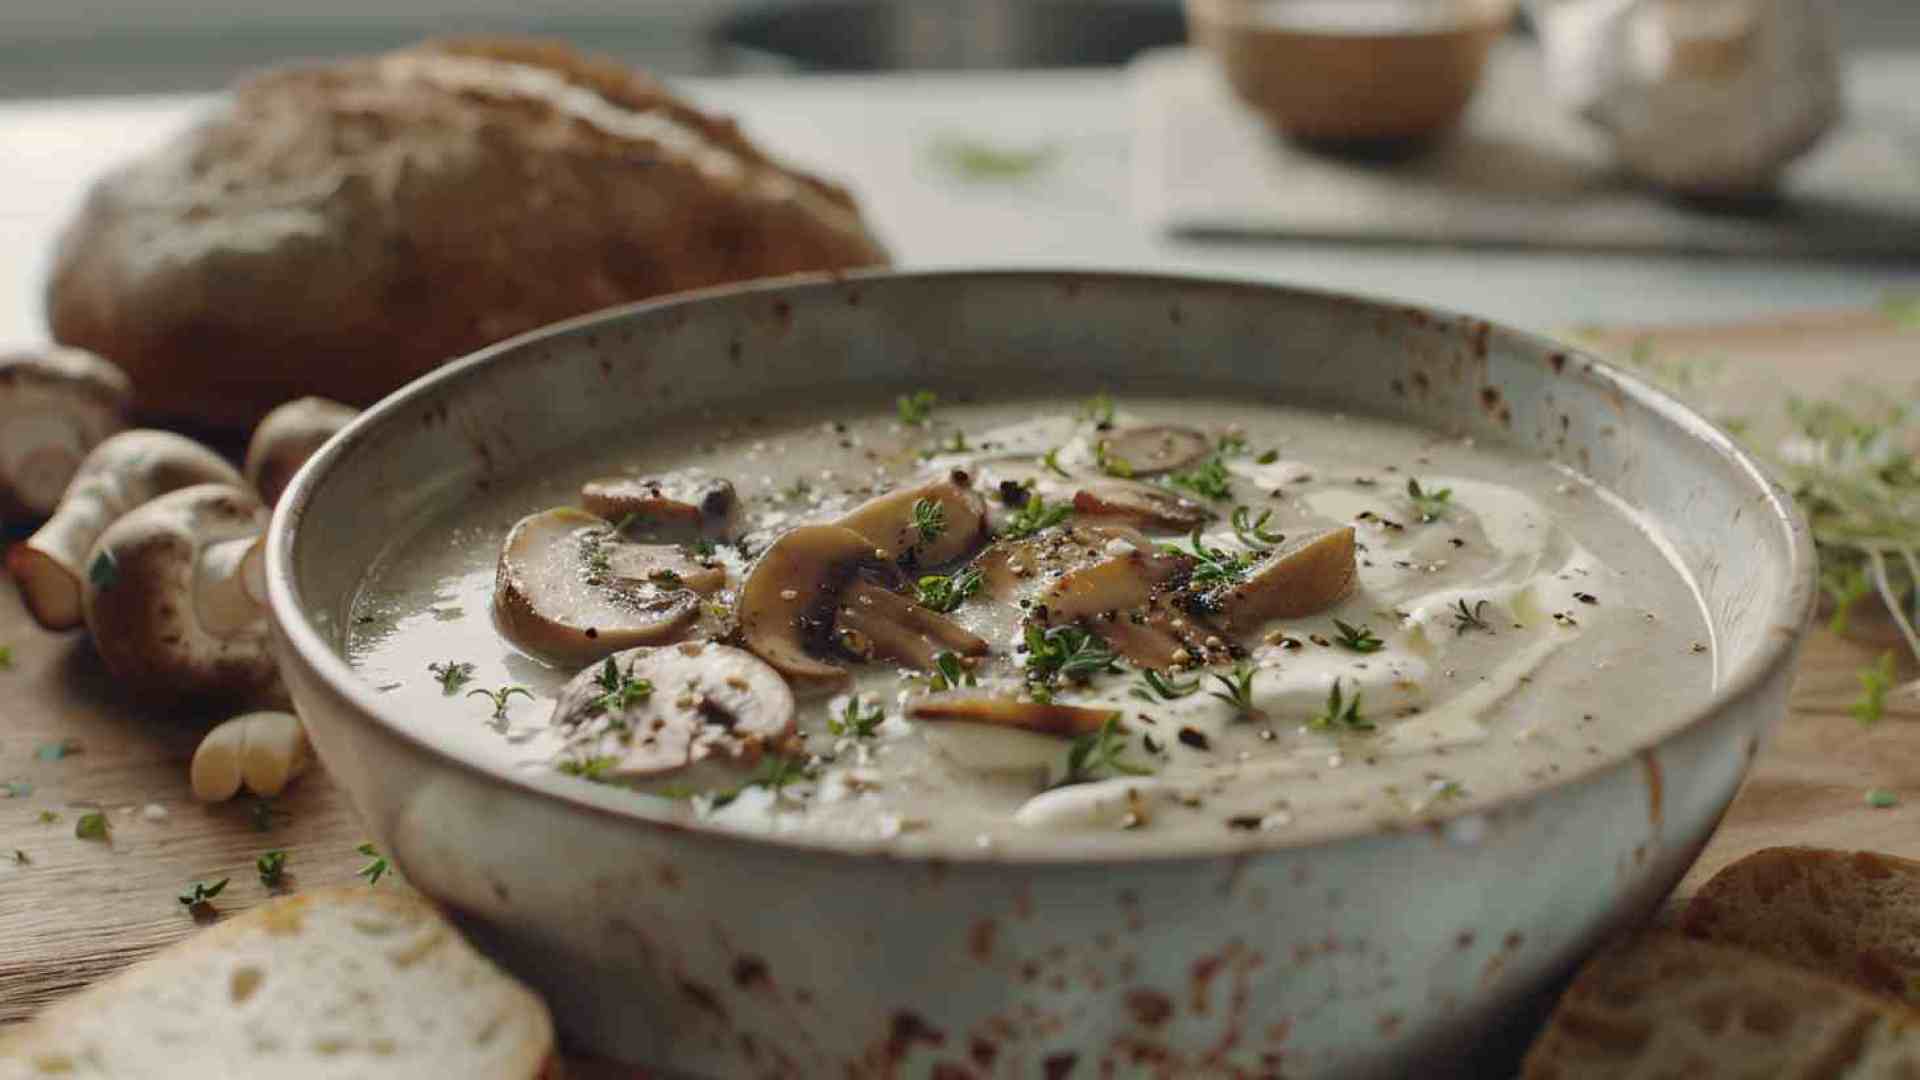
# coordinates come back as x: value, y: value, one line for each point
x: 916, y: 408
x: 91, y: 825
x: 1155, y: 686
x: 1470, y: 618
x: 1236, y: 689
x: 54, y: 751
x: 49, y: 817
x: 272, y: 868
x: 1429, y: 503
x: 1341, y: 713
x: 1875, y: 681
x: 973, y: 159
x: 103, y: 571
x: 377, y: 864
x: 1358, y: 639
x: 1032, y: 516
x: 949, y: 673
x: 501, y: 698
x: 264, y: 815
x: 6, y: 657
x: 1253, y: 531
x: 946, y: 592
x: 1209, y: 480
x: 200, y: 897
x: 1882, y: 799
x: 857, y: 720
x: 1098, y: 753
x: 929, y: 519
x: 451, y: 674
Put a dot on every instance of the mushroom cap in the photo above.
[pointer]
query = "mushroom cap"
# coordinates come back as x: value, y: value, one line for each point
x: 887, y: 521
x: 568, y: 589
x: 1152, y: 449
x: 171, y: 616
x: 685, y: 499
x: 787, y: 597
x: 121, y: 473
x: 56, y: 404
x: 286, y: 437
x: 708, y: 702
x: 1298, y: 580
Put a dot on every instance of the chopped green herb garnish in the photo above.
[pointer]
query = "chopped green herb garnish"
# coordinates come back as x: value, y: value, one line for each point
x: 1209, y: 480
x: 1469, y: 618
x: 618, y: 692
x: 916, y: 408
x: 1252, y: 531
x: 1882, y: 799
x: 1066, y: 652
x: 1155, y: 685
x: 1875, y: 680
x: 91, y: 826
x: 946, y: 592
x: 48, y: 817
x: 594, y: 767
x: 377, y: 865
x: 500, y: 698
x: 1342, y: 713
x: 704, y: 549
x: 1431, y: 505
x: 949, y: 673
x: 1110, y: 463
x: 1032, y: 516
x: 1213, y: 567
x: 1232, y: 444
x: 1267, y: 457
x: 1360, y: 639
x: 972, y: 159
x: 1051, y: 459
x: 6, y: 657
x: 929, y: 519
x: 452, y: 675
x: 103, y: 572
x: 1097, y: 753
x: 856, y: 720
x: 1236, y: 690
x: 797, y: 490
x: 1845, y: 586
x: 202, y: 893
x: 272, y: 867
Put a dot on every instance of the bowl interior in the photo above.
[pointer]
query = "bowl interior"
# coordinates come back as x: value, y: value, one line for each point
x: 455, y: 433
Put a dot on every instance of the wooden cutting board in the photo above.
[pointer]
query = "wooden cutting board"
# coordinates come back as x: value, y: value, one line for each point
x: 77, y: 910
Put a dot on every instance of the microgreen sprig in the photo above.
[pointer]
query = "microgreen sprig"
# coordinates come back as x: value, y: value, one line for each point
x: 1155, y: 686
x: 929, y: 519
x: 916, y: 408
x: 1236, y: 689
x: 1098, y: 753
x: 1032, y: 516
x: 1253, y: 531
x: 1209, y: 480
x: 1213, y: 567
x: 1341, y: 713
x: 946, y: 592
x: 1470, y: 618
x: 856, y: 720
x: 1431, y: 504
x: 501, y: 698
x: 1358, y: 639
x: 452, y: 675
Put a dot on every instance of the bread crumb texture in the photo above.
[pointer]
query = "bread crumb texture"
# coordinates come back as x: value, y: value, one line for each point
x: 345, y: 983
x: 1670, y: 1006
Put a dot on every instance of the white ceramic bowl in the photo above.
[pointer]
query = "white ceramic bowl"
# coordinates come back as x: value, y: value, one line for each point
x: 718, y: 955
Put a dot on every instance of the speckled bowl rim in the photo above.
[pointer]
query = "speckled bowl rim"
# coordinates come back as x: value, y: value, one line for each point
x: 1785, y: 624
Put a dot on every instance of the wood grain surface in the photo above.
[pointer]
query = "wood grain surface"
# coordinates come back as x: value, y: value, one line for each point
x: 76, y: 910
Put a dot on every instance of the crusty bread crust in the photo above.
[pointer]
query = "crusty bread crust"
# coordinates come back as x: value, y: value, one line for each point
x: 1852, y: 915
x: 1665, y: 1005
x: 339, y: 229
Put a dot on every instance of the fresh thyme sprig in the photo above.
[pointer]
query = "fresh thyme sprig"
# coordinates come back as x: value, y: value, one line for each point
x: 916, y: 408
x: 618, y: 691
x: 946, y: 592
x: 1359, y: 639
x: 1155, y: 686
x: 1032, y: 516
x: 1209, y: 480
x: 1073, y: 653
x: 1253, y: 531
x: 1470, y: 618
x: 1097, y: 753
x: 949, y: 673
x: 452, y: 675
x: 929, y: 519
x: 1236, y: 690
x: 377, y: 864
x: 856, y: 720
x: 1341, y: 713
x: 1213, y: 567
x: 501, y: 698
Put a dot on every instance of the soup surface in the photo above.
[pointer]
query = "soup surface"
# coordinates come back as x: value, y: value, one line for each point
x: 1146, y: 624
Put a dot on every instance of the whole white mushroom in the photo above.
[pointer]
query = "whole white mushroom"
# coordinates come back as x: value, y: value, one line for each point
x: 56, y: 404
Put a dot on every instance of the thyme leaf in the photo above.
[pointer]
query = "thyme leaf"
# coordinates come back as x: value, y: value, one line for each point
x: 946, y: 592
x: 1358, y: 639
x: 1430, y: 504
x: 929, y: 519
x: 1155, y: 685
x: 1341, y: 713
x: 1098, y: 753
x: 452, y: 675
x: 1252, y: 531
x: 916, y: 408
x: 1032, y: 516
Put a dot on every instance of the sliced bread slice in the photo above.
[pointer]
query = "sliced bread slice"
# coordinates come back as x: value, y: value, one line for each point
x: 341, y: 983
x: 1668, y: 1006
x: 1851, y: 915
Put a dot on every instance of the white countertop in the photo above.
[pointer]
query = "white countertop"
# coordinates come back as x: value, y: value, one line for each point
x: 874, y: 133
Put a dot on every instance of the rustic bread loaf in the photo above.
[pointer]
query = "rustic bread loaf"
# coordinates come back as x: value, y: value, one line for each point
x: 349, y: 982
x: 339, y: 229
x: 1852, y: 915
x: 1668, y: 1006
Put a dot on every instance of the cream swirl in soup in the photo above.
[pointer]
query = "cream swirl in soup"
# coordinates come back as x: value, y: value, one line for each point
x: 1023, y: 626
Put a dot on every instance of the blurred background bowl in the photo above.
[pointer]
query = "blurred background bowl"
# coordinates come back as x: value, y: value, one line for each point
x: 1353, y: 71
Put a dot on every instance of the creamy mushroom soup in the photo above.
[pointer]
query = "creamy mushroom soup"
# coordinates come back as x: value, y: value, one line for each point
x: 1134, y: 623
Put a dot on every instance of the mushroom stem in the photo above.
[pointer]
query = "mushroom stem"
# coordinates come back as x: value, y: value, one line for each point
x: 899, y: 629
x: 122, y: 473
x: 227, y: 585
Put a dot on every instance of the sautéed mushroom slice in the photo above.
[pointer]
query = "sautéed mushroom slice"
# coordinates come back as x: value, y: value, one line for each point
x: 1302, y: 579
x: 569, y: 588
x: 689, y: 499
x: 1151, y: 449
x: 650, y: 712
x: 1145, y: 505
x: 924, y: 525
x: 1001, y: 710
